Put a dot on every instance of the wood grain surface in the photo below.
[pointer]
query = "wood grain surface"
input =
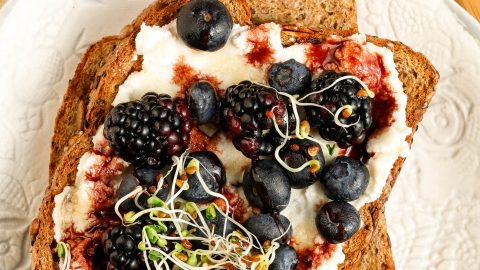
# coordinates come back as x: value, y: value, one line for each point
x: 472, y: 6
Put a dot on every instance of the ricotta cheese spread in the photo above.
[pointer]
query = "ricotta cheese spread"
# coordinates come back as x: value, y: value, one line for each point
x: 165, y: 57
x: 75, y: 205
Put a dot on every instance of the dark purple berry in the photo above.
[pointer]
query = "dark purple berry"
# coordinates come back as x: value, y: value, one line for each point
x: 346, y: 92
x: 295, y: 154
x: 216, y: 225
x: 337, y: 221
x: 285, y: 259
x: 120, y: 247
x: 269, y: 227
x: 202, y: 101
x: 212, y: 173
x: 131, y: 181
x: 204, y: 24
x: 290, y: 77
x: 345, y: 179
x: 147, y: 176
x: 248, y: 112
x: 266, y: 186
x: 146, y: 132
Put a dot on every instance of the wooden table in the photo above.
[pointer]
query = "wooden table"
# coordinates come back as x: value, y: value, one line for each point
x: 472, y: 6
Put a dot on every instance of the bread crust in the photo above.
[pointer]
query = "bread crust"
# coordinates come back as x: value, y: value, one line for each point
x: 107, y: 63
x: 314, y: 14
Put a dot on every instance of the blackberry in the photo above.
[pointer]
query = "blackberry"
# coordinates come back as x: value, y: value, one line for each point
x: 346, y: 92
x: 149, y: 131
x: 248, y: 112
x: 120, y: 245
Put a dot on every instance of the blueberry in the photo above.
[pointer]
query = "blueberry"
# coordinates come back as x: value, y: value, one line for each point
x: 213, y: 174
x: 337, y: 221
x: 266, y: 186
x: 129, y: 183
x: 345, y: 179
x: 290, y: 77
x: 202, y: 102
x: 204, y: 24
x: 146, y: 176
x: 216, y: 225
x: 269, y: 227
x: 295, y: 154
x: 149, y: 177
x: 285, y: 259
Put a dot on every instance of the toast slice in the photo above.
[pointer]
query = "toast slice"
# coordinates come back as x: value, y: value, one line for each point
x: 107, y: 64
x: 314, y: 14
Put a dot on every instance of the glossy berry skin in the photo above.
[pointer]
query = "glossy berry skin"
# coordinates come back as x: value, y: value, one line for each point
x: 295, y: 154
x: 202, y: 102
x: 148, y: 178
x: 285, y: 259
x: 343, y: 93
x: 212, y: 173
x: 204, y: 24
x: 290, y: 77
x: 268, y: 227
x: 120, y: 245
x: 129, y: 183
x: 337, y: 221
x: 216, y: 225
x: 266, y: 186
x: 148, y: 132
x: 245, y: 110
x: 345, y: 179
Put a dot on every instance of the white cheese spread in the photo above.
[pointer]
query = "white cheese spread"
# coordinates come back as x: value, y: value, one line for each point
x: 162, y: 49
x: 75, y: 204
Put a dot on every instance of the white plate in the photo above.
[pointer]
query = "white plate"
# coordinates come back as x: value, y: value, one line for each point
x: 434, y: 211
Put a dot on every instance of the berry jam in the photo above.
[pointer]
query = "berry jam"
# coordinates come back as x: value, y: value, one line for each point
x: 319, y: 56
x: 314, y: 257
x: 184, y: 76
x: 262, y: 52
x: 237, y: 204
x: 199, y: 141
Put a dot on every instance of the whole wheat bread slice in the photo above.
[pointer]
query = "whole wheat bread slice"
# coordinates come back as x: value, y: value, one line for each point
x: 314, y: 14
x: 107, y: 64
